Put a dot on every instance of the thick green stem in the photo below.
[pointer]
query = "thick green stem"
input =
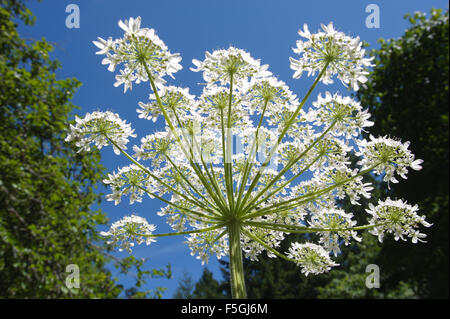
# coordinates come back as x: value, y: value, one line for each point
x: 236, y: 266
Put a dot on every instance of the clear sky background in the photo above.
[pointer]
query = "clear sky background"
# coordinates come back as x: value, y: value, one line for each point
x: 265, y: 28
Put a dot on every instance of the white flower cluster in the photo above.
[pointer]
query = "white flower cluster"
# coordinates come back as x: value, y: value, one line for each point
x: 154, y: 147
x: 346, y: 114
x: 343, y: 55
x: 389, y: 156
x: 350, y: 185
x: 129, y: 180
x: 173, y: 98
x: 398, y: 218
x: 203, y: 245
x: 272, y: 90
x: 253, y: 249
x: 139, y: 50
x: 338, y: 220
x: 100, y: 128
x: 128, y: 230
x: 312, y: 258
x: 278, y: 143
x: 222, y: 65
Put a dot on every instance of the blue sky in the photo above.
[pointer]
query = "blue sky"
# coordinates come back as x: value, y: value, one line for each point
x: 266, y: 29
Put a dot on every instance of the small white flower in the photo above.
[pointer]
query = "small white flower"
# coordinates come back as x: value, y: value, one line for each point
x: 132, y: 26
x: 104, y: 45
x: 126, y: 79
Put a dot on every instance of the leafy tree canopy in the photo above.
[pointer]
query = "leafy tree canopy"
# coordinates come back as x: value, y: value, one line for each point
x: 46, y: 188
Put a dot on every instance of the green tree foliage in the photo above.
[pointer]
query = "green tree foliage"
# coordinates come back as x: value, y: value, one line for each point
x: 185, y: 289
x: 206, y: 288
x: 407, y: 95
x: 46, y: 188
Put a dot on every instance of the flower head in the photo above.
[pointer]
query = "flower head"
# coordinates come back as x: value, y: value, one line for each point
x: 268, y: 91
x: 388, y: 155
x: 396, y: 217
x: 155, y: 147
x: 338, y: 220
x: 100, y: 128
x: 217, y: 162
x: 202, y: 245
x: 142, y: 53
x: 128, y: 230
x: 311, y: 258
x: 222, y: 65
x: 129, y: 180
x: 174, y: 99
x: 344, y: 113
x: 340, y: 54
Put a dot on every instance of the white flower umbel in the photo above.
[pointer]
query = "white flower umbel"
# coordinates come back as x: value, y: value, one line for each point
x: 389, y: 155
x: 339, y: 227
x: 247, y: 162
x: 347, y: 114
x: 100, y: 128
x: 333, y: 50
x: 221, y: 66
x: 204, y: 245
x: 130, y: 229
x: 140, y: 50
x: 398, y: 218
x: 173, y: 98
x: 130, y: 180
x: 155, y: 147
x: 312, y: 258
